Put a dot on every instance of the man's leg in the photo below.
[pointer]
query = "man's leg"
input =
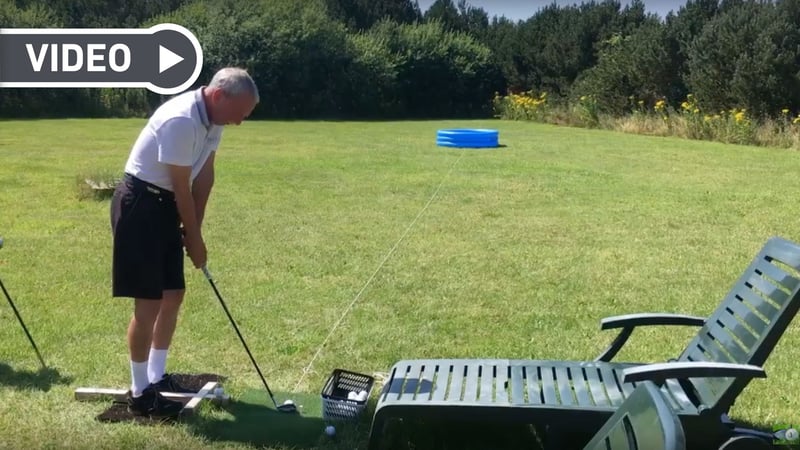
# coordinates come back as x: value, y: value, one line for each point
x: 163, y: 331
x: 140, y: 334
x: 144, y: 399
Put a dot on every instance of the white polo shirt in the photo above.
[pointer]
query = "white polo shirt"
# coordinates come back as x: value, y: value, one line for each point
x: 178, y: 133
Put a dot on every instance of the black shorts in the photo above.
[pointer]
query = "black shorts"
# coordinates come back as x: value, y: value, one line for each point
x: 147, y: 243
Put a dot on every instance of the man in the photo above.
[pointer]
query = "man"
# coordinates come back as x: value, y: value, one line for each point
x: 156, y: 211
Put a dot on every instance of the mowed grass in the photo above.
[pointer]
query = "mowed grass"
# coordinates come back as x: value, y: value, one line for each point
x: 515, y: 252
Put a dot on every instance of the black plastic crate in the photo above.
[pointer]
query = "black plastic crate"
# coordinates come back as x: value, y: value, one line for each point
x: 335, y: 404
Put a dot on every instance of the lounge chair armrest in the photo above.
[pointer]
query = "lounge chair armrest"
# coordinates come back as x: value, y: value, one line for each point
x: 646, y: 319
x: 658, y: 373
x: 628, y: 322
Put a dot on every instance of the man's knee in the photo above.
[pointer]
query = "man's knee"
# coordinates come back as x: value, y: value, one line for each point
x: 145, y: 311
x: 173, y: 298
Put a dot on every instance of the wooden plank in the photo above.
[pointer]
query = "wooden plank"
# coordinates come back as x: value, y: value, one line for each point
x: 190, y: 407
x: 120, y: 395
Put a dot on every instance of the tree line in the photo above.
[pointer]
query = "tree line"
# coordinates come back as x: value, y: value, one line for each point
x: 389, y: 59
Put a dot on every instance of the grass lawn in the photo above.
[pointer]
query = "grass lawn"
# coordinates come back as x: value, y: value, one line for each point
x: 515, y: 252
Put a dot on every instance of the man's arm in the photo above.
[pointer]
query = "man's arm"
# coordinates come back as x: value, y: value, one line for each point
x: 176, y: 142
x: 193, y: 239
x: 201, y: 188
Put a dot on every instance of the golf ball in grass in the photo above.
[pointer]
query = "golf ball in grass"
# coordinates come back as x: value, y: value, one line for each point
x: 792, y: 435
x: 288, y: 402
x: 218, y: 392
x: 330, y: 430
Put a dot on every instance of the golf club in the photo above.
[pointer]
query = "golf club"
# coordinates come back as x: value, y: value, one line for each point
x: 286, y: 407
x: 24, y: 328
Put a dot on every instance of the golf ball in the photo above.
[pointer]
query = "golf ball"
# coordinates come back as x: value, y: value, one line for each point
x: 330, y: 430
x: 792, y: 435
x: 288, y: 402
x: 218, y: 392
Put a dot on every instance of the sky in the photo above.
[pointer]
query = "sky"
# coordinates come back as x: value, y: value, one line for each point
x: 523, y: 9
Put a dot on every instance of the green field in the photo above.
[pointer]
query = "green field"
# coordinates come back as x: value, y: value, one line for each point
x: 370, y: 239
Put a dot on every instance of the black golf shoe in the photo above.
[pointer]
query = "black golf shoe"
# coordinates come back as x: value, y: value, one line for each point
x: 169, y: 383
x: 153, y: 404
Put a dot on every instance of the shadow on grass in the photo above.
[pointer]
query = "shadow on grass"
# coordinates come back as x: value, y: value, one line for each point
x: 252, y: 421
x: 42, y: 379
x: 769, y: 428
x: 449, y: 434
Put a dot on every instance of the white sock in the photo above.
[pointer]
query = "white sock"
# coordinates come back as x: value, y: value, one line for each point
x: 157, y: 364
x: 139, y: 378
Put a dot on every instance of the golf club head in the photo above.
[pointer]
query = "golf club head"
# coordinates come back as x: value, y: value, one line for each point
x: 287, y: 408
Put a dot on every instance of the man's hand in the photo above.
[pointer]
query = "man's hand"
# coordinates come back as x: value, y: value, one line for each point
x: 196, y: 249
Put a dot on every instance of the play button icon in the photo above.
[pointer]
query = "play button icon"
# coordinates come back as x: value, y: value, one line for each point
x: 180, y: 58
x: 167, y: 58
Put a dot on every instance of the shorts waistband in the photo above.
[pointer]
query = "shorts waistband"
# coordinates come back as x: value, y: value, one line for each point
x: 137, y: 184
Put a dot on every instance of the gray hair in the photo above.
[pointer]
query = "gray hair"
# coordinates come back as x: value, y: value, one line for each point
x: 234, y: 81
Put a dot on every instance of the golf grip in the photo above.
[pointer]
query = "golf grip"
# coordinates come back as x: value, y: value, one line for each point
x: 222, y: 302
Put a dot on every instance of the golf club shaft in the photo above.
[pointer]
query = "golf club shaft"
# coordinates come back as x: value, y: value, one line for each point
x: 222, y: 302
x: 24, y: 328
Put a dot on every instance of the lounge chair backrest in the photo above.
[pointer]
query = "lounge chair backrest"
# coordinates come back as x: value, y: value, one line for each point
x: 749, y: 322
x: 644, y: 421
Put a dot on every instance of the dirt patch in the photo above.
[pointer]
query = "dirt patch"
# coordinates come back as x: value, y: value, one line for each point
x: 118, y: 411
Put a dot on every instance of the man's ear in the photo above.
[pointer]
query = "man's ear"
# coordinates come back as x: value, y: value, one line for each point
x: 217, y: 95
